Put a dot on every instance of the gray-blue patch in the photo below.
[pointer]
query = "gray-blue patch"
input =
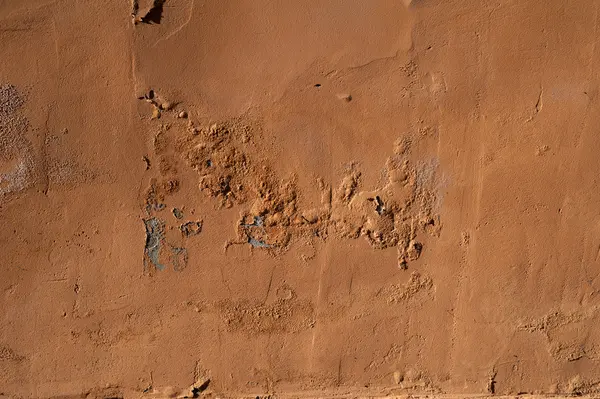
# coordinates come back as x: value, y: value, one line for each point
x: 257, y: 243
x: 258, y: 222
x: 155, y: 234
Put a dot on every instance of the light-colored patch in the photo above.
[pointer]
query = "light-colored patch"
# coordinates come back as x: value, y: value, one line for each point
x: 564, y: 333
x: 16, y: 154
x: 416, y: 284
x: 282, y: 316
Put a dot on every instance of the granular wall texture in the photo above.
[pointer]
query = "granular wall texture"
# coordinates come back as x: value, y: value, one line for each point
x: 257, y: 198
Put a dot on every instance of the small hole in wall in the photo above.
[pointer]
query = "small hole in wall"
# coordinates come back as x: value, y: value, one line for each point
x: 317, y: 84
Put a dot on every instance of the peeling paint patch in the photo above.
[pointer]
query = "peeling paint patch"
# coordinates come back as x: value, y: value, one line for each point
x: 158, y: 252
x: 155, y: 235
x: 152, y: 15
x: 258, y: 222
x: 191, y: 228
x: 178, y: 213
x: 258, y: 244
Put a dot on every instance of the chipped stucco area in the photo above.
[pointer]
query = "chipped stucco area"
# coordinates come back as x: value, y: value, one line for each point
x: 306, y: 199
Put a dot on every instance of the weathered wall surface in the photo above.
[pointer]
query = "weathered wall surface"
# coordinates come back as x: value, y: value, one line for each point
x: 268, y: 197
